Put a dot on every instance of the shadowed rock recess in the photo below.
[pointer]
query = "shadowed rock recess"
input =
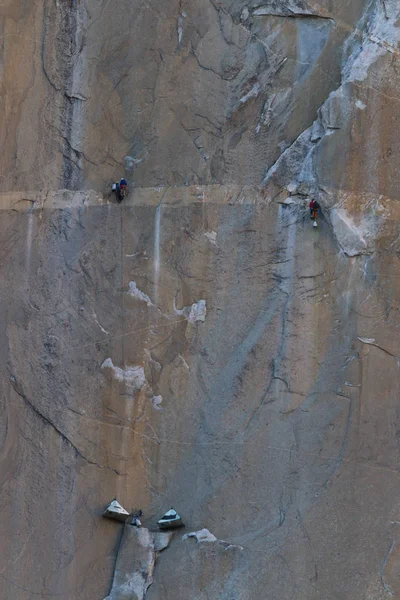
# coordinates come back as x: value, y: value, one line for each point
x: 200, y: 345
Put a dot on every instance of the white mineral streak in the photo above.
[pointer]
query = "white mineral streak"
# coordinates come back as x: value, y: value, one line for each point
x: 255, y: 90
x: 135, y: 292
x: 245, y: 14
x: 204, y: 535
x: 97, y: 323
x: 156, y: 402
x: 198, y: 312
x: 352, y: 238
x: 183, y: 362
x: 180, y: 30
x: 130, y: 162
x: 201, y: 536
x: 194, y: 313
x: 133, y: 377
x: 367, y: 340
x: 382, y: 35
x: 211, y: 236
x: 157, y: 250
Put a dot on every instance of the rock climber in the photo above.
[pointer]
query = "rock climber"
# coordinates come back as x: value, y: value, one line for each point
x: 122, y: 188
x: 314, y: 209
x: 136, y: 520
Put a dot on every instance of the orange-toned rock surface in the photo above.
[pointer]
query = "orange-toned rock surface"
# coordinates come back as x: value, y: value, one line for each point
x: 200, y: 345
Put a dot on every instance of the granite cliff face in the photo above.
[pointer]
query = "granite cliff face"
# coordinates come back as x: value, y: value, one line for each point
x: 200, y: 345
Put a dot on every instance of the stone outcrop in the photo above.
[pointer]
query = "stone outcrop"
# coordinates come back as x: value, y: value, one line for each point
x: 307, y: 164
x: 200, y: 345
x: 137, y: 554
x: 206, y: 536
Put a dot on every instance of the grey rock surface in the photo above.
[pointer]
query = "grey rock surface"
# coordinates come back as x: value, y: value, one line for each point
x: 200, y: 345
x: 137, y: 554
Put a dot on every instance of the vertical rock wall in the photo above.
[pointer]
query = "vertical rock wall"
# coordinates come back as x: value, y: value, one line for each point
x: 200, y: 345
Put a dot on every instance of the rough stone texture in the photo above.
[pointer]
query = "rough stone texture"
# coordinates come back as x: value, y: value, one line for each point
x: 137, y: 554
x: 200, y: 345
x: 94, y: 89
x: 206, y: 536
